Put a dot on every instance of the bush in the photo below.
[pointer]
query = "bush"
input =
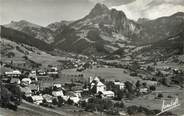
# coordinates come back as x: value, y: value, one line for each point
x: 119, y: 105
x: 120, y: 94
x: 70, y: 102
x: 139, y: 109
x: 133, y: 74
x: 96, y: 104
x: 132, y: 110
x: 160, y: 95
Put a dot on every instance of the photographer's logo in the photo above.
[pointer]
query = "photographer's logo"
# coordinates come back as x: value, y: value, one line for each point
x: 169, y: 106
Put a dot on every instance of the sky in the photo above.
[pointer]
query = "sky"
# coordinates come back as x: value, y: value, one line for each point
x: 44, y: 12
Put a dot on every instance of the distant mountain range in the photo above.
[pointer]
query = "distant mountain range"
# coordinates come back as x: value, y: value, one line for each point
x: 103, y: 31
x: 36, y: 31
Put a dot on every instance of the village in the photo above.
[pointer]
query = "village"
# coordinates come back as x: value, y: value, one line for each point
x: 54, y: 87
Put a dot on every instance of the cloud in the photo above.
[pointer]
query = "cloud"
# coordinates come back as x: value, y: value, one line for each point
x: 163, y: 10
x: 151, y: 8
x: 112, y: 2
x: 179, y: 2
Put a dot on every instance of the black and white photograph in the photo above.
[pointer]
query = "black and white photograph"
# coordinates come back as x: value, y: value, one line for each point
x: 92, y: 57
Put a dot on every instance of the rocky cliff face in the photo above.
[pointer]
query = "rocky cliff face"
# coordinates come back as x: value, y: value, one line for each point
x: 102, y: 30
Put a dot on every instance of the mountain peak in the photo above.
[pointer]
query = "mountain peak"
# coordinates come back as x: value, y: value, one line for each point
x: 100, y: 5
x: 99, y: 9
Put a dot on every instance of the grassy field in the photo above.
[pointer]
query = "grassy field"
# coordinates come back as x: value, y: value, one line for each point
x: 19, y: 112
x: 32, y: 53
x: 105, y: 73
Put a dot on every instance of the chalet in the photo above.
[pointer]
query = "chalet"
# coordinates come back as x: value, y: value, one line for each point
x: 13, y: 73
x: 37, y: 99
x: 15, y: 81
x: 120, y: 85
x: 143, y: 90
x: 73, y: 96
x: 57, y: 93
x: 107, y: 94
x: 41, y: 73
x: 53, y: 71
x: 26, y: 81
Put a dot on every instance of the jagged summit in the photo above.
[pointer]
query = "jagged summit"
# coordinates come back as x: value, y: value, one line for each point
x: 99, y: 9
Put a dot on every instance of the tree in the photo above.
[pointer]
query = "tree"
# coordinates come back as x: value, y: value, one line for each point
x: 11, y: 54
x: 165, y: 81
x: 152, y: 88
x: 160, y: 95
x: 70, y: 102
x: 15, y: 93
x: 9, y: 99
x: 60, y: 101
x: 135, y: 66
x: 138, y: 84
x: 44, y: 101
x: 129, y: 86
x: 144, y: 84
x: 120, y: 94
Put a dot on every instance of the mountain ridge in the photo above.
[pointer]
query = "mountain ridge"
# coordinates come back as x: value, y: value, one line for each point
x: 105, y: 30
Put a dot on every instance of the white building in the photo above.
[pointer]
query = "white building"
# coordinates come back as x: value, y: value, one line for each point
x: 37, y: 99
x: 53, y: 70
x: 32, y: 75
x: 15, y: 81
x: 97, y: 84
x: 58, y: 85
x: 108, y: 94
x: 13, y: 73
x: 100, y: 87
x: 57, y: 93
x: 120, y: 85
x: 143, y: 90
x: 26, y: 81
